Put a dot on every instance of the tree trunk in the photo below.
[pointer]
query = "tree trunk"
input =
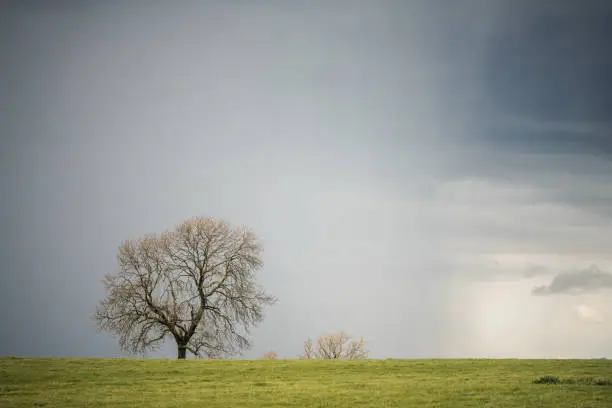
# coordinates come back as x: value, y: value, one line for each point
x: 182, y: 352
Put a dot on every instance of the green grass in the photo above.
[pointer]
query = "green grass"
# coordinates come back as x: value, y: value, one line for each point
x: 46, y: 382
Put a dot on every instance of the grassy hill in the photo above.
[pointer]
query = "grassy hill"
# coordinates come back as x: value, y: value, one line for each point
x: 46, y: 382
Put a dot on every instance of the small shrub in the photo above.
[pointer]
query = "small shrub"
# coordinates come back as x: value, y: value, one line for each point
x: 547, y: 379
x: 335, y: 346
x: 270, y: 355
x: 599, y: 381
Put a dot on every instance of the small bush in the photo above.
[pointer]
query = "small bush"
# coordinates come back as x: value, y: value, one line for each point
x: 270, y: 355
x: 547, y: 379
x: 596, y: 381
x: 335, y: 346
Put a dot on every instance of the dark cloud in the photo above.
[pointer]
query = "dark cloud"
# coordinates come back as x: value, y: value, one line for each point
x: 329, y: 129
x: 537, y: 137
x: 553, y: 64
x: 590, y: 279
x: 547, y: 89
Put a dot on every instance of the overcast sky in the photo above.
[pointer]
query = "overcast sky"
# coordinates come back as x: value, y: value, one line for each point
x: 433, y: 175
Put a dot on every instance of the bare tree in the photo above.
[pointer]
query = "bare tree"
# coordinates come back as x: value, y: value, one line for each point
x: 194, y: 283
x: 308, y: 350
x: 335, y: 346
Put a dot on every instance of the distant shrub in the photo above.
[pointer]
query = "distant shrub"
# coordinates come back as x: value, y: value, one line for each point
x: 335, y: 346
x: 547, y: 379
x: 270, y: 355
x: 591, y: 381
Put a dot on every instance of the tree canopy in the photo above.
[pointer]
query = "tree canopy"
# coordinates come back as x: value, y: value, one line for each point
x: 194, y: 283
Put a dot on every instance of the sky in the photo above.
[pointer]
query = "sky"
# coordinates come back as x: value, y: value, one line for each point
x: 434, y: 176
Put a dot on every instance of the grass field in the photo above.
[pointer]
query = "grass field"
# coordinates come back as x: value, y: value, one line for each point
x: 45, y: 382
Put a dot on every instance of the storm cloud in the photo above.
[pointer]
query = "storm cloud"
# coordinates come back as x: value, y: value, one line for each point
x: 586, y: 280
x: 406, y: 165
